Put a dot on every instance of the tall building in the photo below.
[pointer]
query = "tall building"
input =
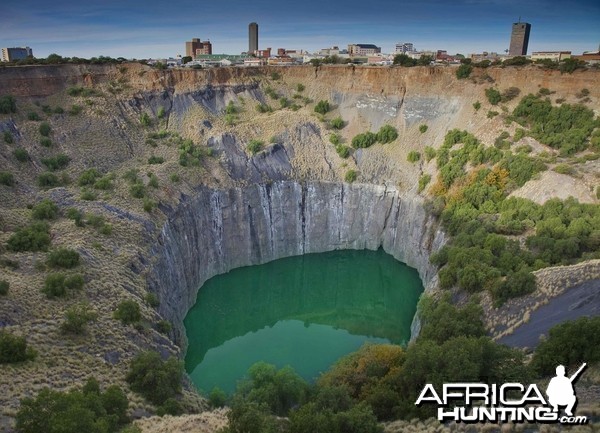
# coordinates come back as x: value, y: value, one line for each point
x: 403, y: 48
x: 197, y: 47
x: 519, y: 39
x: 252, y: 38
x: 17, y: 53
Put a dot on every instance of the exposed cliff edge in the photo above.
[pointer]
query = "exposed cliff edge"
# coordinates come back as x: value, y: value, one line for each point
x: 219, y: 230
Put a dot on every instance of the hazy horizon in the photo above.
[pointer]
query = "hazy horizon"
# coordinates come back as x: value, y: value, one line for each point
x: 153, y: 29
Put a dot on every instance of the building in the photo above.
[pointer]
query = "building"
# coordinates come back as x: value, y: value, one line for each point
x: 252, y: 37
x: 332, y: 51
x: 404, y: 47
x: 555, y: 56
x: 17, y: 53
x: 196, y: 47
x: 519, y: 39
x: 263, y: 54
x: 363, y: 50
x: 590, y: 57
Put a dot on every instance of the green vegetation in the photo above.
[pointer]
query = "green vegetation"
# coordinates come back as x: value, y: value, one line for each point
x: 86, y: 410
x: 387, y: 134
x: 128, y: 312
x: 337, y: 123
x: 57, y: 162
x: 424, y: 181
x: 491, y: 114
x: 33, y: 116
x: 477, y: 105
x: 350, y: 176
x: 364, y: 140
x: 300, y: 87
x: 63, y: 258
x: 161, y: 113
x: 88, y: 195
x: 263, y: 108
x: 570, y: 65
x: 335, y: 139
x: 423, y: 128
x: 8, y: 138
x: 275, y: 76
x: 35, y: 237
x: 7, y: 178
x: 145, y: 119
x: 190, y: 154
x: 217, y: 398
x: 21, y: 154
x: 430, y: 153
x: 404, y: 60
x: 566, y: 128
x: 75, y: 110
x: 164, y: 326
x: 464, y: 71
x: 493, y: 96
x: 148, y: 204
x: 255, y: 146
x: 13, y: 348
x: 8, y: 104
x: 45, y: 129
x: 4, y: 286
x: 45, y: 210
x: 77, y: 318
x: 155, y: 379
x: 322, y: 107
x: 510, y: 94
x: 342, y: 151
x: 81, y: 91
x: 88, y: 177
x: 413, y: 156
x: 45, y: 141
x: 56, y: 285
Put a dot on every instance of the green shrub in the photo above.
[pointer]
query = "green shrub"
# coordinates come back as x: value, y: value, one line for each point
x: 430, y: 153
x: 56, y: 285
x: 337, y: 123
x: 75, y: 110
x: 364, y: 140
x: 155, y: 379
x: 137, y: 190
x: 33, y: 116
x: 217, y: 398
x: 128, y: 312
x: 464, y: 71
x: 163, y: 326
x: 564, y: 169
x: 510, y: 94
x: 8, y: 104
x: 423, y: 128
x: 255, y: 146
x: 275, y: 76
x: 7, y: 178
x: 35, y: 237
x: 14, y: 349
x: 477, y: 105
x: 424, y: 181
x: 153, y: 181
x: 148, y: 204
x: 156, y: 160
x: 174, y: 178
x: 77, y: 318
x: 4, y: 286
x: 493, y: 96
x: 104, y: 183
x: 21, y: 154
x: 48, y: 180
x: 8, y: 138
x: 45, y: 129
x: 145, y: 119
x: 263, y: 108
x: 58, y: 110
x: 342, y: 151
x: 387, y: 134
x: 170, y: 407
x: 45, y: 210
x: 63, y: 258
x: 491, y: 114
x: 335, y: 139
x: 88, y: 177
x: 350, y: 176
x: 88, y: 195
x: 161, y: 113
x: 151, y: 299
x: 322, y: 107
x: 413, y: 156
x: 45, y: 141
x: 57, y: 162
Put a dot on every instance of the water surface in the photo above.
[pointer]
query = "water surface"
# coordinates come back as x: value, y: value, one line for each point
x: 304, y: 311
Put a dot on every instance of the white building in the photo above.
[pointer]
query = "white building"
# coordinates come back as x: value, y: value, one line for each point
x: 404, y: 47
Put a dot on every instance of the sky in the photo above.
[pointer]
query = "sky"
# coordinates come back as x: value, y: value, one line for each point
x: 157, y: 29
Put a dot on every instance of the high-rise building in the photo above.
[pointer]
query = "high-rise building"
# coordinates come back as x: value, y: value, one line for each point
x: 197, y: 47
x: 403, y: 48
x: 519, y: 39
x: 17, y: 53
x: 252, y: 38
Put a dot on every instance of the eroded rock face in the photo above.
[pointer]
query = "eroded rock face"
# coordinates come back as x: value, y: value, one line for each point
x: 219, y: 230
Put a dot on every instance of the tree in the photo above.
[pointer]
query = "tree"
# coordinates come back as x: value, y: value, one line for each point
x: 128, y: 312
x: 63, y: 258
x: 464, y: 71
x: 13, y: 348
x: 404, y: 60
x: 155, y: 379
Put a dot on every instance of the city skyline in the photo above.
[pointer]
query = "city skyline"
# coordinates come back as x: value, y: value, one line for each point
x: 137, y: 29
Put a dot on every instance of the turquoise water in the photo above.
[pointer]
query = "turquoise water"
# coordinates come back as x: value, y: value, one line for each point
x: 304, y: 311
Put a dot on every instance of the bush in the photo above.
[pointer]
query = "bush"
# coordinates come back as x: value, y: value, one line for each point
x: 477, y: 105
x: 57, y: 284
x: 45, y: 210
x: 464, y: 71
x: 337, y: 123
x: 88, y: 195
x: 76, y: 319
x: 424, y: 181
x: 14, y: 349
x: 335, y: 139
x: 491, y: 114
x: 8, y: 138
x: 423, y: 128
x: 128, y: 312
x: 45, y: 129
x: 63, y: 258
x: 493, y: 96
x: 164, y: 326
x: 342, y: 151
x: 517, y: 284
x: 57, y: 162
x: 88, y: 177
x: 170, y: 407
x: 48, y: 180
x: 217, y: 398
x: 387, y: 134
x: 7, y: 178
x: 4, y: 286
x: 45, y: 141
x: 413, y: 156
x: 155, y: 379
x: 145, y: 119
x: 161, y: 113
x: 151, y: 299
x: 33, y: 116
x: 322, y: 107
x: 510, y: 94
x: 104, y: 183
x: 350, y: 176
x: 255, y: 146
x: 364, y: 140
x: 8, y: 104
x: 21, y: 154
x: 263, y: 108
x: 75, y: 110
x: 430, y: 153
x: 148, y: 204
x: 35, y: 237
x: 137, y: 190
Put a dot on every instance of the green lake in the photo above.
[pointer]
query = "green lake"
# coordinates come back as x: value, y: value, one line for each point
x: 304, y: 311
